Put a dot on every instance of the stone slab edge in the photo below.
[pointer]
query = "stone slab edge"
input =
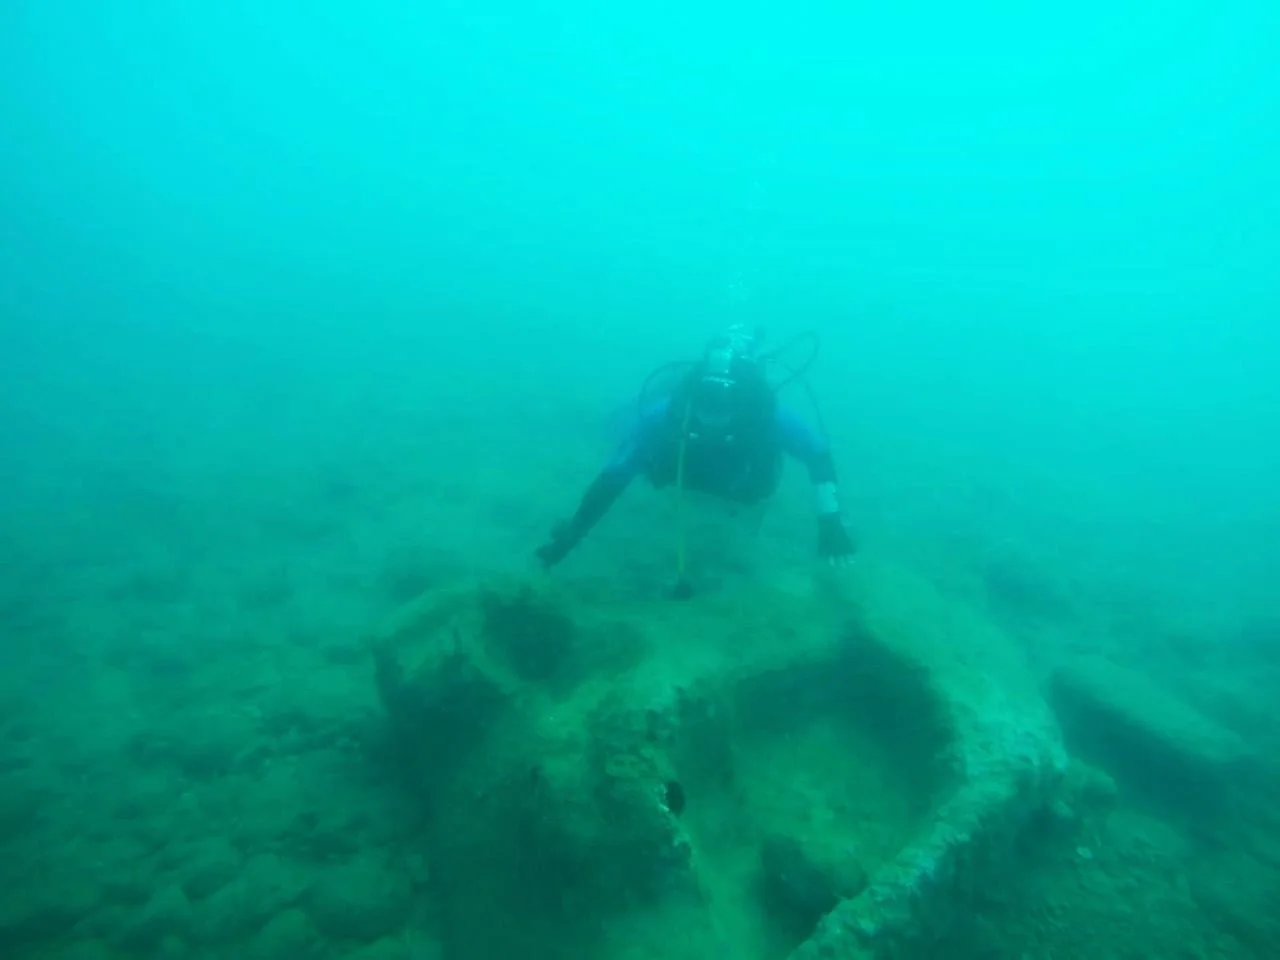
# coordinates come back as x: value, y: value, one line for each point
x: 1009, y: 759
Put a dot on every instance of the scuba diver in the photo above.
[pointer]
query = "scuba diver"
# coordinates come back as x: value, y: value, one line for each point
x: 720, y: 432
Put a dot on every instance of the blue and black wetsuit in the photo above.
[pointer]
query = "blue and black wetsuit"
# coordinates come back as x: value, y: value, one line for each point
x: 741, y: 463
x: 743, y: 466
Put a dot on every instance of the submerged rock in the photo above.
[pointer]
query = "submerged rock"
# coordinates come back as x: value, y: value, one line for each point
x: 166, y: 917
x: 290, y: 934
x: 1241, y: 897
x: 360, y: 902
x: 1147, y: 737
x: 576, y: 796
x: 803, y: 887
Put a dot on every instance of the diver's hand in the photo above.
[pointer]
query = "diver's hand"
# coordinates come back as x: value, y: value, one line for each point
x: 558, y: 547
x: 834, y: 543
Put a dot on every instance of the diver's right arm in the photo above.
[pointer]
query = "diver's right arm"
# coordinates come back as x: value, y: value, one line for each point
x: 600, y: 496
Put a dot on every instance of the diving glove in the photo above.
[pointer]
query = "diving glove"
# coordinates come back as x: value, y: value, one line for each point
x: 595, y: 503
x: 834, y: 543
x: 563, y: 539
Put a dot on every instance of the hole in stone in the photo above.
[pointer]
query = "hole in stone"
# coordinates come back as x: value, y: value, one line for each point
x: 673, y: 797
x: 814, y: 763
x: 534, y: 635
x: 809, y: 776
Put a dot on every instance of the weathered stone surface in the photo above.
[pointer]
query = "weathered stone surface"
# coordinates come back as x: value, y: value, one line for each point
x: 266, y: 887
x: 1241, y: 897
x: 36, y: 913
x: 1006, y: 754
x: 207, y: 867
x: 360, y: 901
x: 167, y: 915
x: 805, y: 885
x: 1145, y: 735
x: 289, y: 934
x: 589, y: 800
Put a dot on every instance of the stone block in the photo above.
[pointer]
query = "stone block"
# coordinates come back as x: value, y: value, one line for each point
x: 1146, y: 737
x: 761, y: 774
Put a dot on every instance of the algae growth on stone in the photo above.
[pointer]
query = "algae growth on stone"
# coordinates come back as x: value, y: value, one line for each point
x: 746, y: 776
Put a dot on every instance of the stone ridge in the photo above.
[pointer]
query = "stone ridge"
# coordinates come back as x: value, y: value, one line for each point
x: 1008, y: 756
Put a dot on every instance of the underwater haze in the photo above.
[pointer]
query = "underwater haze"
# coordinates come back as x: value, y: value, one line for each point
x: 309, y: 307
x: 1039, y: 243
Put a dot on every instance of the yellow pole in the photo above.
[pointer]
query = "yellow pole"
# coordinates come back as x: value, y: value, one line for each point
x: 680, y: 531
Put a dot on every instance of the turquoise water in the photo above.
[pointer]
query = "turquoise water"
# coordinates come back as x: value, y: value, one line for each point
x: 306, y: 308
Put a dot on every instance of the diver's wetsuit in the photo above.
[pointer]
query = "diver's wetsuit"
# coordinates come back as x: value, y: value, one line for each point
x: 743, y: 468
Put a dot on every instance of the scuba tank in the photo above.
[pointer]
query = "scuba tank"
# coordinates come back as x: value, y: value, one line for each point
x: 711, y: 394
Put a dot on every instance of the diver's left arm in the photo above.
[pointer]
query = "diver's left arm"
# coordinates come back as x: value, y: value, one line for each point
x: 834, y: 543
